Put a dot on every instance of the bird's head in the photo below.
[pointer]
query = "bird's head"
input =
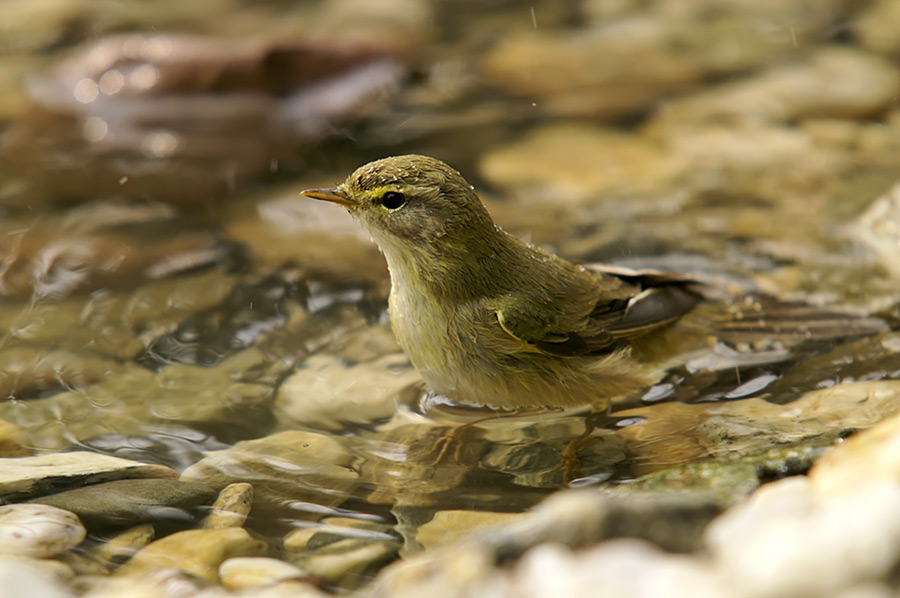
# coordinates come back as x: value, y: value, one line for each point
x: 412, y: 201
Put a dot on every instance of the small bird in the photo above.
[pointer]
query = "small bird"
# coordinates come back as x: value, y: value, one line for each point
x: 490, y: 320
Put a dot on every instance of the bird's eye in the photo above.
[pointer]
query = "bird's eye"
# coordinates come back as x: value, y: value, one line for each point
x: 393, y: 200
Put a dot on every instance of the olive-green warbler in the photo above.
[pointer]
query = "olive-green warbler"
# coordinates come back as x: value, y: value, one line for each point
x: 491, y: 320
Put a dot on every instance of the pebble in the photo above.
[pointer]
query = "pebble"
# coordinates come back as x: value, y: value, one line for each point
x: 38, y: 531
x: 26, y: 578
x: 197, y: 552
x: 285, y: 469
x: 451, y: 525
x: 231, y: 507
x: 789, y: 539
x: 326, y: 393
x: 254, y: 571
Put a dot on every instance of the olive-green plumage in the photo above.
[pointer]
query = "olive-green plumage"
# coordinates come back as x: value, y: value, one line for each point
x: 490, y: 320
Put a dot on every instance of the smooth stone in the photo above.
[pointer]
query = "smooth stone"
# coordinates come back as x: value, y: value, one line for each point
x: 449, y: 526
x: 28, y: 578
x: 87, y: 248
x: 870, y: 457
x: 329, y: 242
x: 342, y: 550
x: 285, y: 469
x: 232, y: 506
x: 177, y: 395
x: 672, y: 433
x: 197, y: 552
x: 31, y: 476
x: 116, y: 323
x: 835, y: 81
x: 128, y: 502
x: 156, y: 583
x: 876, y: 27
x: 250, y: 572
x: 38, y: 531
x: 879, y: 229
x: 589, y: 71
x: 575, y: 163
x: 623, y: 568
x: 349, y: 562
x: 790, y: 539
x: 325, y: 393
x: 31, y: 370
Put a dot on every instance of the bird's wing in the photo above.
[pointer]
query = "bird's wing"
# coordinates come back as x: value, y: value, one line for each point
x: 624, y: 304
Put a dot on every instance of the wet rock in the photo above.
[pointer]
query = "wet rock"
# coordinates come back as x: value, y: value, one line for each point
x: 256, y: 306
x: 30, y: 577
x: 789, y: 540
x: 577, y: 518
x: 342, y: 551
x: 874, y: 27
x: 286, y: 470
x: 61, y: 22
x: 13, y: 441
x: 572, y: 163
x: 179, y: 396
x: 251, y: 572
x: 879, y: 229
x: 231, y: 508
x: 156, y: 583
x: 623, y: 568
x: 31, y: 476
x: 837, y: 82
x: 185, y: 119
x: 590, y: 70
x: 38, y: 531
x: 348, y: 563
x: 115, y: 324
x: 280, y: 226
x: 14, y: 99
x: 673, y: 433
x: 101, y: 245
x: 870, y: 457
x: 872, y: 359
x: 327, y: 393
x: 400, y: 27
x: 128, y: 502
x: 197, y: 552
x: 450, y: 526
x: 30, y: 371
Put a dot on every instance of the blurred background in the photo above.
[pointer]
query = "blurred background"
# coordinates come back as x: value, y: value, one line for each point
x: 165, y: 292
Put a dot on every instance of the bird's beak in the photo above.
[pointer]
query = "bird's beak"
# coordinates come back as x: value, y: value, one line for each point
x: 335, y: 195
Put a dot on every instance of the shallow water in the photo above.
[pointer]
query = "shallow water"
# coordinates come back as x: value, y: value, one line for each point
x: 169, y: 298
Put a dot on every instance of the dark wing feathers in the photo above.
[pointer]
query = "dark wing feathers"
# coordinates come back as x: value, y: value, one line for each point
x: 654, y: 300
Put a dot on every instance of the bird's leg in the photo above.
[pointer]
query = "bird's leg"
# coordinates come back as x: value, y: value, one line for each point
x: 569, y: 456
x: 453, y: 437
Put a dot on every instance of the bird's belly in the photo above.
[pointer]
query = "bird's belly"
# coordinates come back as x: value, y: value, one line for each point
x: 480, y: 364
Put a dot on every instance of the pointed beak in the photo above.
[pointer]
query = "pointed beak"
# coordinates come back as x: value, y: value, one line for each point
x: 335, y: 195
